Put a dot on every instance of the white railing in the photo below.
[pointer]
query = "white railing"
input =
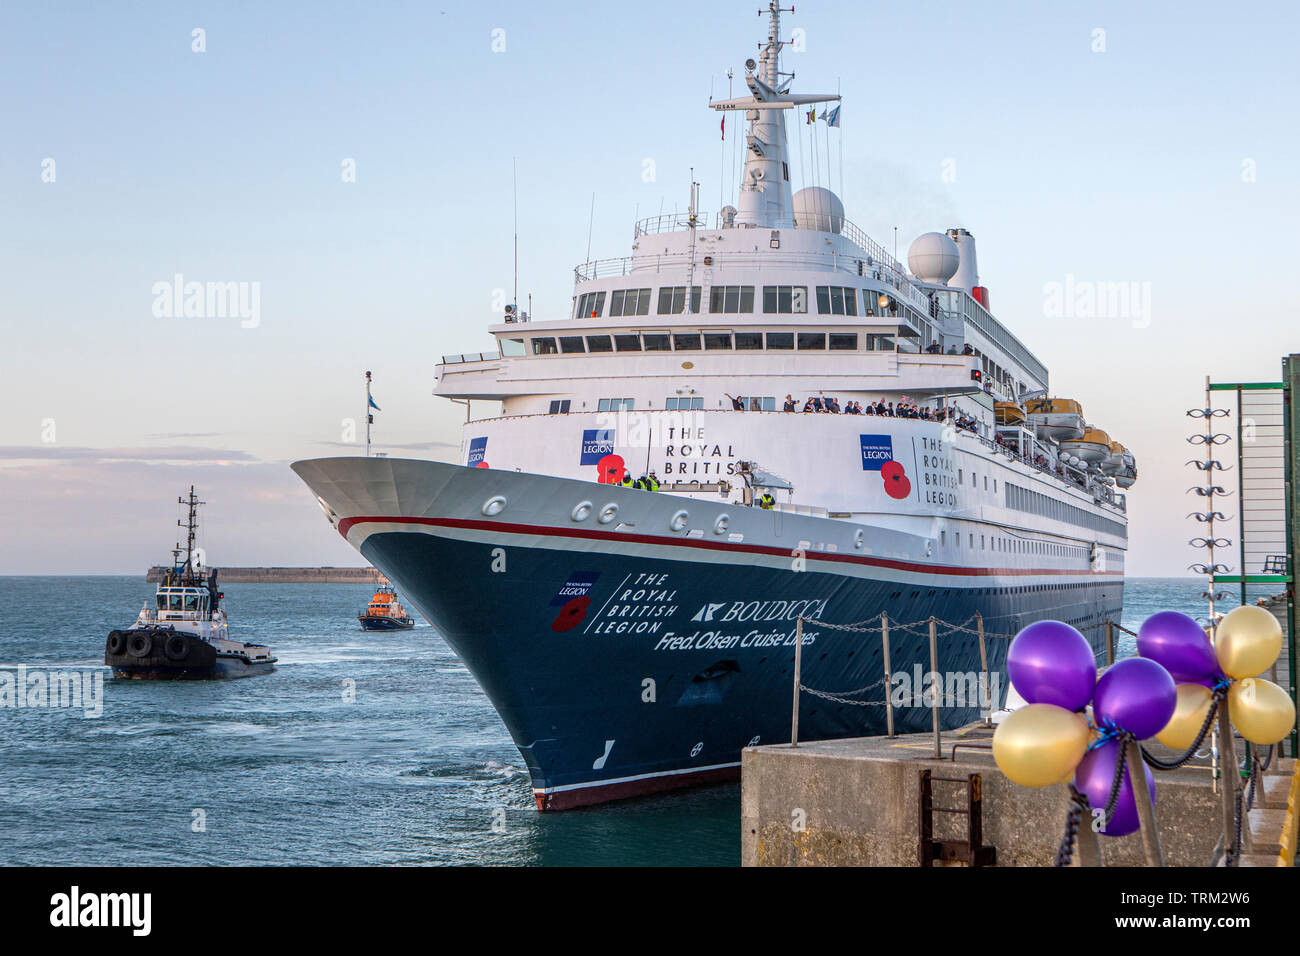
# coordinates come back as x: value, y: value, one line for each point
x: 470, y: 357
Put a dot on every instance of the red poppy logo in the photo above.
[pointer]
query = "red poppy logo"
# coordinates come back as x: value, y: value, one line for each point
x: 611, y: 469
x: 481, y: 464
x: 571, y: 614
x: 897, y: 484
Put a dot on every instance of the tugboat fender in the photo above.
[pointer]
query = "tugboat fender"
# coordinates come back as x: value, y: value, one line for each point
x: 140, y: 644
x: 115, y: 642
x: 177, y: 647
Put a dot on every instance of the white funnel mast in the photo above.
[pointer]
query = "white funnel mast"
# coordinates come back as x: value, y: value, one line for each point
x: 765, y: 188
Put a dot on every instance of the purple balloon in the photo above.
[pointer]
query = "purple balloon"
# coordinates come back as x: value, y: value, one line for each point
x: 1051, y: 663
x: 1096, y: 774
x: 1136, y: 695
x: 1177, y: 643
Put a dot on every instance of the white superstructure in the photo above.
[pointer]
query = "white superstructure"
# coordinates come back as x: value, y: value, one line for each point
x: 782, y: 298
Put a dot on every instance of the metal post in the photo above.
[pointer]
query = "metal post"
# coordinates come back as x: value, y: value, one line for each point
x: 1110, y: 642
x: 798, y: 660
x: 1137, y: 780
x: 1089, y: 844
x: 984, y: 669
x: 1229, y: 777
x: 936, y: 688
x: 889, y: 676
x: 1291, y: 485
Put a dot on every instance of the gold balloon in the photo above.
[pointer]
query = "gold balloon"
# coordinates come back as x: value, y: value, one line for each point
x: 1247, y: 641
x: 1092, y: 732
x: 1189, y: 717
x: 1038, y: 744
x: 1260, y: 710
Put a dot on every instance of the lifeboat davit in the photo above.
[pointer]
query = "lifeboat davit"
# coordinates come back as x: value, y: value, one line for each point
x: 1093, y: 447
x: 1128, y: 471
x: 1113, y: 463
x: 1009, y: 413
x: 1056, y: 419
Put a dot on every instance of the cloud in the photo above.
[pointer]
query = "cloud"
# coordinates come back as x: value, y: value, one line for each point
x: 158, y: 453
x: 119, y: 517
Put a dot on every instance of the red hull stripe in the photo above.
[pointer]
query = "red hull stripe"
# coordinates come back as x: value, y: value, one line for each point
x: 503, y: 527
x: 605, y: 793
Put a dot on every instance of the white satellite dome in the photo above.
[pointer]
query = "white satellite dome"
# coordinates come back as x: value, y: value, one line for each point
x: 816, y: 207
x: 933, y: 257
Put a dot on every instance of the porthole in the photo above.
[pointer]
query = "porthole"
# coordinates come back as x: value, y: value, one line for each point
x: 494, y: 505
x: 678, y: 520
x: 581, y: 511
x: 608, y: 513
x: 858, y: 537
x: 720, y: 524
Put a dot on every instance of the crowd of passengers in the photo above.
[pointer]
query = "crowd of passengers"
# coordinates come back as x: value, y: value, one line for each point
x: 829, y: 404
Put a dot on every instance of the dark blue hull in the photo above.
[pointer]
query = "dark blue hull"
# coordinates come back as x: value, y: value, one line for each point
x: 618, y: 675
x: 381, y: 623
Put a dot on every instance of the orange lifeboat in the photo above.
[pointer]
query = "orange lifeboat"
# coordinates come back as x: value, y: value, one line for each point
x: 385, y: 612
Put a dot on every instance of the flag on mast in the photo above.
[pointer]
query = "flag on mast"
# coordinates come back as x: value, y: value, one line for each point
x: 371, y: 401
x: 832, y: 117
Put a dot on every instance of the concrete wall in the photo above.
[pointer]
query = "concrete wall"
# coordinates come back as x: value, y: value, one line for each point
x: 860, y: 797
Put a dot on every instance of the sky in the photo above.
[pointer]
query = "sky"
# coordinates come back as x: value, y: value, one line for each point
x: 353, y: 163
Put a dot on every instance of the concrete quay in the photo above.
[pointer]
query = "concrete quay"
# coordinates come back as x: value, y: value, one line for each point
x: 856, y: 802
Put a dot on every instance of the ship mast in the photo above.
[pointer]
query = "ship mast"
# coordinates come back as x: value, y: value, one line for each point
x: 369, y: 417
x: 191, y: 526
x: 765, y: 197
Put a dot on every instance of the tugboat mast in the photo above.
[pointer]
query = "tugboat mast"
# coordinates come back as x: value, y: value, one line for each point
x: 191, y: 526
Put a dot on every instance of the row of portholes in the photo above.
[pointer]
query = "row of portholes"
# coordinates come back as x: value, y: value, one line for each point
x: 678, y: 522
x: 582, y: 511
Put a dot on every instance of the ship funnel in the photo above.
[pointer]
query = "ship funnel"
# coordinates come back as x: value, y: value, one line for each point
x: 967, y: 276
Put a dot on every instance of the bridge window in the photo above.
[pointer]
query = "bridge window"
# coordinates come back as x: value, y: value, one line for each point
x: 656, y: 342
x: 844, y: 341
x: 785, y: 299
x: 560, y: 407
x: 731, y: 298
x: 599, y: 343
x: 686, y: 341
x: 780, y: 340
x: 672, y: 299
x: 684, y: 404
x: 614, y: 405
x: 627, y: 342
x: 717, y: 340
x: 590, y: 306
x: 572, y: 343
x: 749, y: 340
x: 630, y: 302
x: 812, y: 341
x: 544, y: 346
x: 837, y: 300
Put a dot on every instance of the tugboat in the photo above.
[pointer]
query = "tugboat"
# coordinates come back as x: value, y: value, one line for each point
x: 184, y: 636
x: 385, y: 613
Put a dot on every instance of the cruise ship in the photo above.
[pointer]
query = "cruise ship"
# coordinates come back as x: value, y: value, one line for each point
x: 758, y: 416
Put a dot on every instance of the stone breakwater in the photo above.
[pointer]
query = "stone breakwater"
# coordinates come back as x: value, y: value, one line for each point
x: 287, y: 575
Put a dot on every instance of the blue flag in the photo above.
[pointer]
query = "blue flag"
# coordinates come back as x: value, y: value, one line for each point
x: 832, y: 117
x: 371, y: 400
